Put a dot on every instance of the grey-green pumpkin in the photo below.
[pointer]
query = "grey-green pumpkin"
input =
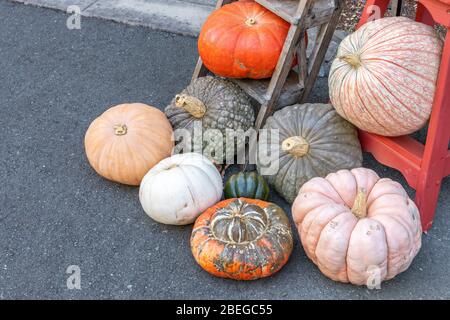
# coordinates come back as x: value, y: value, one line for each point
x: 211, y: 103
x: 313, y: 141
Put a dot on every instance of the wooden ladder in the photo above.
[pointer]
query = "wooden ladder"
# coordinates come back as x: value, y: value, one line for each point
x: 288, y: 86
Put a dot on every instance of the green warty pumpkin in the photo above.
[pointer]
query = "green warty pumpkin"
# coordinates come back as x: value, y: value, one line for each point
x: 211, y: 103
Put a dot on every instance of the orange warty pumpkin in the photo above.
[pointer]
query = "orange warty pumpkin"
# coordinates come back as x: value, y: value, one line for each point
x: 242, y: 239
x: 126, y: 141
x: 242, y: 40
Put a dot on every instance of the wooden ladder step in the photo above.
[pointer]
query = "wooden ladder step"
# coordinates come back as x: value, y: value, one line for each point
x: 257, y: 89
x: 287, y: 9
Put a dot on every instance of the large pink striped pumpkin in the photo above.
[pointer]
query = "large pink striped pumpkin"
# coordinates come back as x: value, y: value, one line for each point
x: 384, y: 76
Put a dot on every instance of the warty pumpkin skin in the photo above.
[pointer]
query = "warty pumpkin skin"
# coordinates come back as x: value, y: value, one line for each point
x: 127, y: 140
x: 179, y: 188
x: 242, y: 40
x: 313, y: 141
x: 242, y: 239
x: 247, y: 185
x: 357, y: 227
x: 211, y: 103
x: 384, y: 76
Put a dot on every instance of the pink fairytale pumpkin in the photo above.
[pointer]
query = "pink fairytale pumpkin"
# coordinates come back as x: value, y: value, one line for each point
x: 354, y: 224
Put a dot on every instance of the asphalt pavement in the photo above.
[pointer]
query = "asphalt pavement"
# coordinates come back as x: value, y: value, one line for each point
x: 179, y: 16
x: 56, y: 212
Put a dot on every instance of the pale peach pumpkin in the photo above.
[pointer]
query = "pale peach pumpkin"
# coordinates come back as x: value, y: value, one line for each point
x: 355, y: 226
x: 384, y: 76
x: 127, y: 140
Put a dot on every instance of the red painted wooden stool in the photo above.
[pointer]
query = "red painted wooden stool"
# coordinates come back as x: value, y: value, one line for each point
x: 423, y: 166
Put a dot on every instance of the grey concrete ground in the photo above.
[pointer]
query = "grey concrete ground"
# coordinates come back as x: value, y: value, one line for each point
x: 55, y: 211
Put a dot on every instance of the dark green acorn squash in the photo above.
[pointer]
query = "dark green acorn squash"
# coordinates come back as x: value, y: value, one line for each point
x: 247, y: 185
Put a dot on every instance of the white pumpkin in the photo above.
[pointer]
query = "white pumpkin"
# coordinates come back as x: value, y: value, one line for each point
x: 178, y: 189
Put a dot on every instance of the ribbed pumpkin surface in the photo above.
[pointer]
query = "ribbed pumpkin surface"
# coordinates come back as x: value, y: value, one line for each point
x: 242, y: 40
x: 247, y: 185
x: 357, y: 227
x: 242, y: 239
x: 384, y: 76
x: 127, y: 140
x: 313, y: 140
x: 179, y: 188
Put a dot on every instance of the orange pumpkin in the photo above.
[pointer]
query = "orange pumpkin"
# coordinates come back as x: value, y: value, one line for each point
x: 242, y: 239
x: 242, y: 40
x: 126, y: 141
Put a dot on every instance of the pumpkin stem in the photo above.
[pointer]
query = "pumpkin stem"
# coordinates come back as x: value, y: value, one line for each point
x: 250, y: 22
x: 191, y: 104
x: 360, y: 205
x: 120, y: 129
x: 296, y: 146
x: 352, y: 59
